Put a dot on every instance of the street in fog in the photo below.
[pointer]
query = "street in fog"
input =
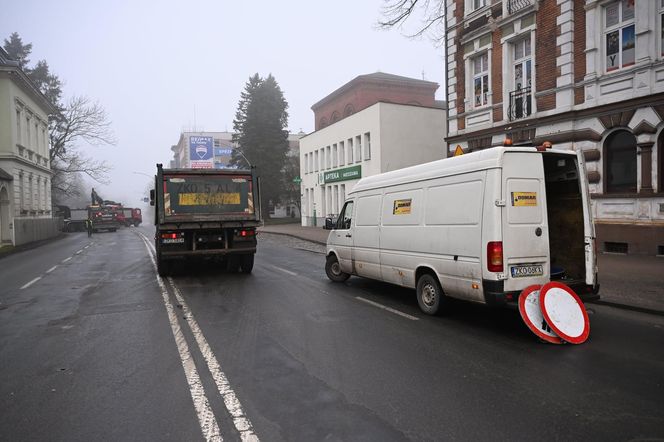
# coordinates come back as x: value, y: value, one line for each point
x: 88, y: 353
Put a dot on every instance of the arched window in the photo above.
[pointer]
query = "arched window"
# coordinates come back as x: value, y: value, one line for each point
x: 335, y: 117
x: 323, y: 122
x: 620, y: 162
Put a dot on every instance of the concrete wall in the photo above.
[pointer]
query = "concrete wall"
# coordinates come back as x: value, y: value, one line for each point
x: 30, y: 229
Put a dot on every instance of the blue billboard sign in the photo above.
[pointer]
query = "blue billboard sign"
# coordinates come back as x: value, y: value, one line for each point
x: 201, y: 153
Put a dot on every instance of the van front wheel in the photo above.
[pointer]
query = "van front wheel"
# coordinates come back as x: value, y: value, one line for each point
x: 333, y: 270
x: 429, y: 294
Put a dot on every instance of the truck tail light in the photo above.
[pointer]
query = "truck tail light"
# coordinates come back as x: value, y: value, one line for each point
x: 494, y: 256
x: 244, y: 233
x: 169, y: 235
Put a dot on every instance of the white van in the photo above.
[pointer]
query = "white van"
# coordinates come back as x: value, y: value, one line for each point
x: 479, y: 227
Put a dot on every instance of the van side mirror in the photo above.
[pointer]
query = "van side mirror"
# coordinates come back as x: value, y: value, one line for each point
x: 152, y: 197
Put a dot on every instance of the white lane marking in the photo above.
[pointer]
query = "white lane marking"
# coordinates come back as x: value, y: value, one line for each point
x: 51, y: 269
x: 285, y: 271
x: 206, y: 418
x: 79, y: 252
x: 391, y: 310
x: 240, y: 419
x: 66, y: 259
x: 232, y: 403
x: 30, y: 283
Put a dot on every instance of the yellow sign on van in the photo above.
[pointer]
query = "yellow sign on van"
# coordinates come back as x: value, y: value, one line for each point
x: 458, y: 151
x: 521, y: 199
x: 401, y: 207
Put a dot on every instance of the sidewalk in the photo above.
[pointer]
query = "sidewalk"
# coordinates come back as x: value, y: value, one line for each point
x: 626, y: 281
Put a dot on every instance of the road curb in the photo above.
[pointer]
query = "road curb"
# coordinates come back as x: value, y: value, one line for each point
x: 30, y: 245
x: 634, y: 308
x: 293, y: 236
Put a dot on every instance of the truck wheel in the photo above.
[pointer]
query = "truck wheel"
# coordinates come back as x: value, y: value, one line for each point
x: 136, y: 224
x: 163, y: 267
x: 333, y: 269
x: 429, y: 294
x: 247, y: 263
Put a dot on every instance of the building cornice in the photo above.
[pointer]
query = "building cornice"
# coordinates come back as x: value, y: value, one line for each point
x: 574, y: 115
x: 16, y: 74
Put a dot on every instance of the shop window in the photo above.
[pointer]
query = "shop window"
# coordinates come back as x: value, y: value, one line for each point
x: 620, y: 162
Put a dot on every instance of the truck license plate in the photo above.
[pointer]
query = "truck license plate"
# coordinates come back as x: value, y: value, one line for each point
x: 523, y: 271
x: 172, y: 240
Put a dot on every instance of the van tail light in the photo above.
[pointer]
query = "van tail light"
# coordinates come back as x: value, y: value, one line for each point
x: 494, y: 256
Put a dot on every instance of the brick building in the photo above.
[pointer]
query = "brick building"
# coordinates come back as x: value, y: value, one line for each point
x: 586, y: 75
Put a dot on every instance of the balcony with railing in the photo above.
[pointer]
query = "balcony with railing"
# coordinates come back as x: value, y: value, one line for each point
x: 516, y: 5
x: 520, y: 104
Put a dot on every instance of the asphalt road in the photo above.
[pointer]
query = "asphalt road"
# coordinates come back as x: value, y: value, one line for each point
x: 99, y: 348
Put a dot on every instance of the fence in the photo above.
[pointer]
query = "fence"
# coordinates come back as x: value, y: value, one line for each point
x: 28, y: 230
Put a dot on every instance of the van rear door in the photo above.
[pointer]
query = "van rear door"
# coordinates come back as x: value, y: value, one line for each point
x: 526, y: 256
x: 588, y: 225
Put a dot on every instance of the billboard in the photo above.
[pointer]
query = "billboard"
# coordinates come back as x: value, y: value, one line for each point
x: 201, y: 155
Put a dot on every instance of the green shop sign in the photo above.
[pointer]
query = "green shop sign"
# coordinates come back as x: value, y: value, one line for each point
x: 349, y: 173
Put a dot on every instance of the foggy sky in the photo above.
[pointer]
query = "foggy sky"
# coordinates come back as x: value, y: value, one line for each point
x: 161, y: 67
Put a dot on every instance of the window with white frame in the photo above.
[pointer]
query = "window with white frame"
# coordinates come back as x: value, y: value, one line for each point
x: 367, y: 146
x: 480, y: 67
x: 335, y: 155
x: 306, y: 163
x: 619, y: 36
x: 19, y: 138
x: 328, y: 157
x: 358, y: 149
x: 474, y: 5
x: 350, y: 151
x: 522, y: 76
x: 661, y: 28
x: 342, y: 153
x: 322, y: 159
x: 316, y: 162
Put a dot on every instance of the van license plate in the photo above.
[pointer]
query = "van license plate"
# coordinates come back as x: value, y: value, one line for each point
x: 524, y: 271
x: 172, y: 241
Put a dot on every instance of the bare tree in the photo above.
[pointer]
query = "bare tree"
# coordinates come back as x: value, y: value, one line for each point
x: 80, y: 120
x: 431, y: 17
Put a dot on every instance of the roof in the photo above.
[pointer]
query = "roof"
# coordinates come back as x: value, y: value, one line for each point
x: 377, y: 77
x: 5, y: 176
x: 21, y: 78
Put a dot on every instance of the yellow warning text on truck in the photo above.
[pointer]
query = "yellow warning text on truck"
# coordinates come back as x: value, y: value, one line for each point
x: 208, y: 199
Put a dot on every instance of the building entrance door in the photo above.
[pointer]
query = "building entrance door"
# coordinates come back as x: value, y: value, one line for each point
x: 4, y: 216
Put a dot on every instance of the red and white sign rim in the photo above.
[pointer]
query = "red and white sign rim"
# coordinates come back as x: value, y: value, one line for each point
x: 533, y: 327
x: 586, y: 322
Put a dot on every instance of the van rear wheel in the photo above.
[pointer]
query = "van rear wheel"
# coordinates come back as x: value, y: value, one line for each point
x: 429, y: 294
x: 333, y: 269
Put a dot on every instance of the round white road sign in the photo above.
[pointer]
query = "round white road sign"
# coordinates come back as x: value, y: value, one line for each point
x: 529, y: 307
x: 564, y: 312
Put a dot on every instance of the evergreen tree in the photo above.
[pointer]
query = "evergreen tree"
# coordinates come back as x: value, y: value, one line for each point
x: 261, y: 134
x: 17, y: 50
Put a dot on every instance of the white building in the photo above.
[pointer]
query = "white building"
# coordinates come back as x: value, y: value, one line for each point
x: 378, y: 137
x: 25, y: 173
